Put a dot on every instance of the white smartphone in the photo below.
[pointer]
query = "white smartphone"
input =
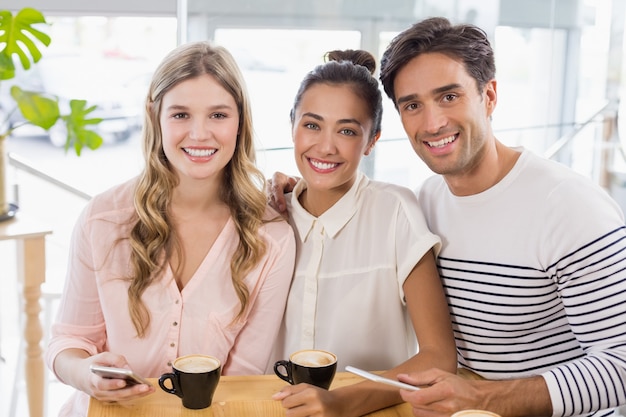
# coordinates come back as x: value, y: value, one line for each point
x: 381, y: 379
x: 118, y: 373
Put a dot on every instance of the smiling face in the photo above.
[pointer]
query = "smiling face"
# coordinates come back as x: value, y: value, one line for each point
x: 331, y: 132
x: 443, y: 114
x: 199, y: 123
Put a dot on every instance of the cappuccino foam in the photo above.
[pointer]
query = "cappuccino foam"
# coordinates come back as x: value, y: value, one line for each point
x: 313, y: 358
x: 196, y: 364
x: 474, y: 413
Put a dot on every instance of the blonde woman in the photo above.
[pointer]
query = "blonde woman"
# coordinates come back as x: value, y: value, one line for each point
x: 186, y: 258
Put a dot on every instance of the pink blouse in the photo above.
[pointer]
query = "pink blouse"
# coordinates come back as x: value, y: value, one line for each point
x: 93, y: 313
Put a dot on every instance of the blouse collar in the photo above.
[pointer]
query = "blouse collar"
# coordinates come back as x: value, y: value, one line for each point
x: 333, y: 219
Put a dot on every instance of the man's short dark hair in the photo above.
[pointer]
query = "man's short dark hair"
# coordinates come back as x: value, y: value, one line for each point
x: 465, y: 43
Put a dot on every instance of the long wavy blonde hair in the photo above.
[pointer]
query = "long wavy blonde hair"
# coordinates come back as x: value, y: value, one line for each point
x: 152, y: 239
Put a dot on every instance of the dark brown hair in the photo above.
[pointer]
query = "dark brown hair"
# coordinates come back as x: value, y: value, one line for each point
x: 351, y: 67
x: 466, y: 43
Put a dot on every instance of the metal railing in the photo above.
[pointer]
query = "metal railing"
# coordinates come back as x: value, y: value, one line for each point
x: 608, y: 111
x: 21, y: 164
x: 608, y: 141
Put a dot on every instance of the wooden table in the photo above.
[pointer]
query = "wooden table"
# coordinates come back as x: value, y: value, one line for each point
x: 236, y: 396
x: 31, y: 272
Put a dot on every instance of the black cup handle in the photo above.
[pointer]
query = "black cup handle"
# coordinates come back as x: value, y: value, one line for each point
x: 175, y: 388
x: 286, y: 365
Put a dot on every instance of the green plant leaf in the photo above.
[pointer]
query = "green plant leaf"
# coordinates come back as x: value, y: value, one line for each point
x: 7, y: 68
x: 18, y: 34
x: 43, y: 111
x: 77, y: 122
x: 88, y: 138
x: 38, y: 109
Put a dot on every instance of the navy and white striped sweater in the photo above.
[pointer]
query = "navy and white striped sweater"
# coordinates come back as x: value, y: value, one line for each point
x: 535, y: 273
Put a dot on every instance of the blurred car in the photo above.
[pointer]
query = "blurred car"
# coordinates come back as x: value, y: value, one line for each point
x: 117, y: 86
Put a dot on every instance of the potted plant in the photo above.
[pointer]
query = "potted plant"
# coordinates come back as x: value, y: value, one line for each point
x: 20, y: 43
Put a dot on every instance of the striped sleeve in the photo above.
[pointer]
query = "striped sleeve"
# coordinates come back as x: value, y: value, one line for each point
x: 592, y: 285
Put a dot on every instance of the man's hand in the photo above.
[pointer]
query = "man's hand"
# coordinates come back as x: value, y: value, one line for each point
x: 443, y: 393
x: 276, y: 188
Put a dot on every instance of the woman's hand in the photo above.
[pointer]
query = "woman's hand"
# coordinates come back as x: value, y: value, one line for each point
x: 276, y: 188
x: 73, y: 368
x: 304, y: 400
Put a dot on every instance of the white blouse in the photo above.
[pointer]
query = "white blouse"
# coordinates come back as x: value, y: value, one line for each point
x: 346, y: 296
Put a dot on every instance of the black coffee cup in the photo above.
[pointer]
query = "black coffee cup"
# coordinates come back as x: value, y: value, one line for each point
x: 311, y: 366
x: 194, y: 379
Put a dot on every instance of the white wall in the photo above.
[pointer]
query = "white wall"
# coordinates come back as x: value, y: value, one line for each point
x: 85, y: 7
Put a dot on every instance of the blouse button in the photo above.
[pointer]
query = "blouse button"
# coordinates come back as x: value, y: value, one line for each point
x: 172, y: 344
x: 177, y: 301
x: 169, y: 363
x: 175, y: 323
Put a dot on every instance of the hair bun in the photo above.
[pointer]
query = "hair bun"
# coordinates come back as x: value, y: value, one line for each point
x: 356, y: 56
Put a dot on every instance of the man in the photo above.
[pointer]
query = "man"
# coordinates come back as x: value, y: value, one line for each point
x: 533, y: 259
x: 533, y: 254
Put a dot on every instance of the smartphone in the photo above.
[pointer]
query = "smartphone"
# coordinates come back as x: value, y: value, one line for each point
x: 118, y: 373
x: 381, y: 379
